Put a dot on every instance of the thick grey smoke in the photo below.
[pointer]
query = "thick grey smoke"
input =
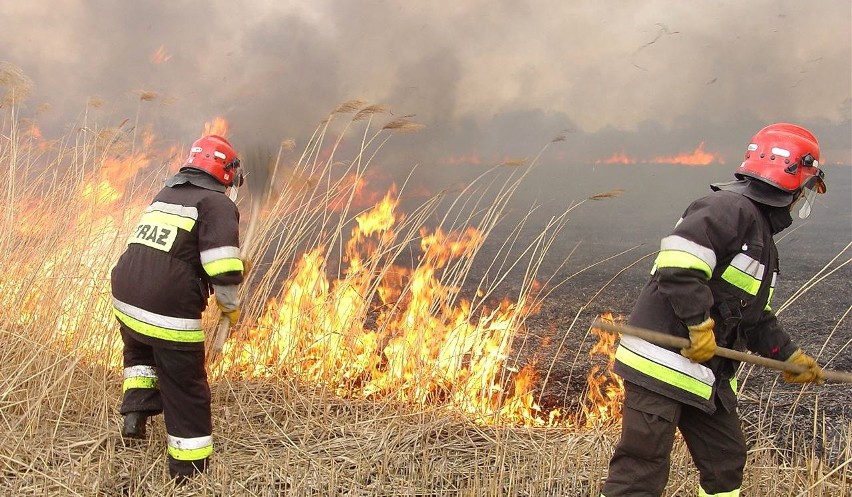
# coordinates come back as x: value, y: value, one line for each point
x: 487, y: 78
x: 490, y: 80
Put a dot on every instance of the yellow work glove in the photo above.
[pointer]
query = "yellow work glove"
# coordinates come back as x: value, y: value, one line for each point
x: 246, y: 267
x: 813, y: 374
x: 228, y: 302
x: 233, y: 315
x: 702, y: 341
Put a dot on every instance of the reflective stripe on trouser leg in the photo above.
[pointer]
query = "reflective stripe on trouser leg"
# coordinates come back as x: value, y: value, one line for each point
x: 140, y: 386
x: 190, y: 449
x: 186, y: 409
x: 140, y: 376
x: 641, y: 461
x: 718, y: 448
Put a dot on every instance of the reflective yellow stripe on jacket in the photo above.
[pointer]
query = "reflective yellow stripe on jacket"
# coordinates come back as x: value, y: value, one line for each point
x: 177, y: 215
x: 666, y: 366
x: 745, y: 273
x: 156, y: 325
x: 221, y: 260
x: 678, y: 252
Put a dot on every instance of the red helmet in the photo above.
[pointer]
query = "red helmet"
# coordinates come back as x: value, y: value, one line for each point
x: 215, y: 156
x: 785, y: 156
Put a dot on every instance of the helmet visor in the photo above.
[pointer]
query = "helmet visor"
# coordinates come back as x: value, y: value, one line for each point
x: 813, y: 185
x: 805, y: 201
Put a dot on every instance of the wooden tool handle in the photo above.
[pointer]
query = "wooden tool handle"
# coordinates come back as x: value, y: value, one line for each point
x: 222, y: 331
x: 667, y: 340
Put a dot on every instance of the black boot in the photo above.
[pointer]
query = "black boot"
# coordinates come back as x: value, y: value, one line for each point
x: 183, y: 471
x: 134, y: 424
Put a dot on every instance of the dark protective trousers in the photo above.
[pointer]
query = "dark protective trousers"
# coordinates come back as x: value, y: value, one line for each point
x: 641, y: 461
x: 181, y: 393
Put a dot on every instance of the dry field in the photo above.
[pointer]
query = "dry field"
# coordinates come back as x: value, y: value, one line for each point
x: 368, y: 361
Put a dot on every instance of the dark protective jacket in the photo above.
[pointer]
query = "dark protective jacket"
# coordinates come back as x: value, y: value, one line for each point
x: 720, y: 261
x: 186, y: 241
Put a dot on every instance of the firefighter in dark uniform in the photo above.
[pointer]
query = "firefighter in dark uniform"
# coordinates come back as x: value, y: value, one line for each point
x: 185, y: 246
x: 712, y: 282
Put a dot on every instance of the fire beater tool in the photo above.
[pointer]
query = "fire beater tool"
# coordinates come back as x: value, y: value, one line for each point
x: 667, y: 340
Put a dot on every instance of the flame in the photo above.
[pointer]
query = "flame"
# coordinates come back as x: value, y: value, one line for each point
x: 617, y: 158
x: 374, y: 330
x: 605, y: 390
x: 33, y: 131
x: 219, y: 126
x: 352, y: 192
x: 423, y: 348
x: 88, y: 222
x: 698, y: 157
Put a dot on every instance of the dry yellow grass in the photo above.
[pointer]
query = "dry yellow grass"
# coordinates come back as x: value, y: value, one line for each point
x: 59, y: 436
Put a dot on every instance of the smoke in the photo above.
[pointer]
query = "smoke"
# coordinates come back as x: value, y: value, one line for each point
x: 488, y: 79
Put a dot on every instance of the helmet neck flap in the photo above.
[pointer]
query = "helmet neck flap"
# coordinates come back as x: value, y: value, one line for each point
x: 760, y: 192
x: 774, y: 203
x: 197, y: 178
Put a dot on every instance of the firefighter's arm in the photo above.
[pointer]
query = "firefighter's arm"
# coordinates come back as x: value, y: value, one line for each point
x: 219, y: 242
x: 769, y: 339
x: 690, y: 298
x: 218, y: 238
x: 708, y: 232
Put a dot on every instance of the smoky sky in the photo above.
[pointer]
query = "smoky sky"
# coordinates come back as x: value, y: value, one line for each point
x: 492, y: 78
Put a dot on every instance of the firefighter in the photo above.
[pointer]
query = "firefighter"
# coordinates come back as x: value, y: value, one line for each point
x: 712, y: 282
x: 185, y: 246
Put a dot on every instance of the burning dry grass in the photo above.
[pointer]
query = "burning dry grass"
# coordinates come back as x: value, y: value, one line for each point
x: 304, y: 399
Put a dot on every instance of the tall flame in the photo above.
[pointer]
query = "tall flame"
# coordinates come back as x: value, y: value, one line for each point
x: 423, y: 348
